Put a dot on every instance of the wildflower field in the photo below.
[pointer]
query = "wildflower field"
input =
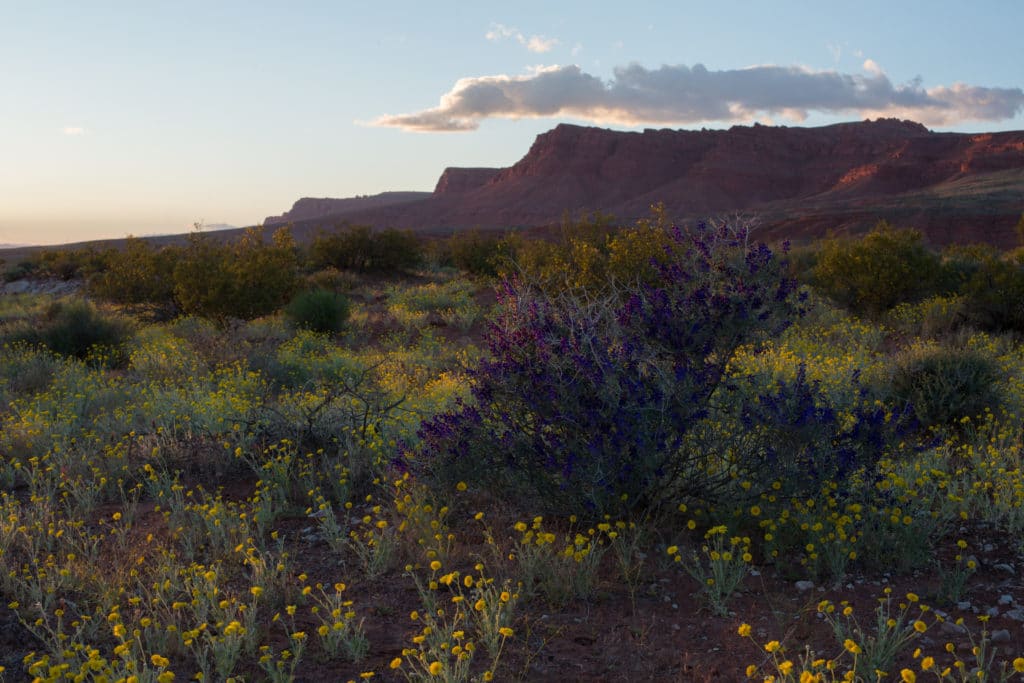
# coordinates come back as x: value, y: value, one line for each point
x: 666, y: 457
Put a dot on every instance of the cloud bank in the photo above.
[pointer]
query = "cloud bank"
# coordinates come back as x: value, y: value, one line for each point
x: 688, y: 95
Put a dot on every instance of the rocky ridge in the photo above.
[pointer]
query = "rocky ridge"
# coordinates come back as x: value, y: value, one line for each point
x: 798, y: 181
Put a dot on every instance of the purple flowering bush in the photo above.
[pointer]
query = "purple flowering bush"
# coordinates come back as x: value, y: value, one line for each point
x: 591, y: 402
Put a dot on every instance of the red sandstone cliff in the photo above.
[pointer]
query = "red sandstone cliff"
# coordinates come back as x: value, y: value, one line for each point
x: 799, y: 181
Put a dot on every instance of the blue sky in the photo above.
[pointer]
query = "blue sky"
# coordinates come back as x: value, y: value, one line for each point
x: 138, y: 118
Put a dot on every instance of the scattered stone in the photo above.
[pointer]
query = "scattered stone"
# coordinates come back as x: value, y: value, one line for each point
x: 754, y: 572
x: 987, y: 548
x: 1004, y: 567
x: 963, y: 605
x: 804, y: 586
x: 952, y: 629
x: 992, y: 611
x: 1005, y: 599
x: 1000, y: 636
x: 1015, y: 614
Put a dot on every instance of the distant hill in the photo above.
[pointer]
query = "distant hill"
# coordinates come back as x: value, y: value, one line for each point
x: 312, y: 208
x: 799, y: 182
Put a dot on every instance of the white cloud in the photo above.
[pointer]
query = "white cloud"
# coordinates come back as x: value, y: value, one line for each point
x: 686, y: 95
x: 871, y: 66
x: 536, y: 43
x: 74, y: 130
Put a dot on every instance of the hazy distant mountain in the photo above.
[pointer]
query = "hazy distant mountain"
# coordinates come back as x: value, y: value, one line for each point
x: 799, y: 182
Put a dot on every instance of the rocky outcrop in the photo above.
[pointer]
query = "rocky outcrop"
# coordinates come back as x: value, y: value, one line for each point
x: 799, y: 181
x: 459, y: 180
x: 309, y: 208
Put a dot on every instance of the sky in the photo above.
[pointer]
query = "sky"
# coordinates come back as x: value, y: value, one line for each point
x: 141, y: 118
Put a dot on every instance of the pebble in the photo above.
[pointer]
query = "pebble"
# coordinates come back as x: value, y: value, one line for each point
x: 1015, y: 614
x: 804, y: 586
x: 1004, y: 567
x: 1005, y: 599
x: 988, y: 547
x: 992, y: 611
x: 1000, y: 636
x: 964, y: 605
x: 951, y: 628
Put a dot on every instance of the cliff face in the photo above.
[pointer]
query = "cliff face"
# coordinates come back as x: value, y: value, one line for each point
x: 844, y: 176
x: 459, y: 180
x: 309, y: 208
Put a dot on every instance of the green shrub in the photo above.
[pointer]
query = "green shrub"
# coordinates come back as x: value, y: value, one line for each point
x: 934, y: 317
x: 944, y: 384
x: 319, y: 310
x: 994, y: 296
x: 78, y: 329
x: 357, y: 247
x: 332, y: 279
x: 246, y: 279
x: 140, y: 274
x: 478, y: 253
x: 872, y: 274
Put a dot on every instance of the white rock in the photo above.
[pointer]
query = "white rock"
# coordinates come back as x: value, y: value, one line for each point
x: 964, y: 605
x: 804, y: 586
x: 1005, y: 599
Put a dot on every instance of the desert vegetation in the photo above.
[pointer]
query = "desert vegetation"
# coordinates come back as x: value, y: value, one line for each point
x: 639, y: 453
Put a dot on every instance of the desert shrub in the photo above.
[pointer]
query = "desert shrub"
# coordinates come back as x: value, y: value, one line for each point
x: 396, y: 251
x: 875, y: 272
x: 77, y: 329
x: 20, y: 271
x: 332, y: 279
x: 141, y: 274
x: 944, y: 384
x: 69, y: 264
x: 994, y: 296
x: 25, y: 370
x: 799, y: 439
x: 319, y: 310
x: 245, y: 279
x: 936, y: 316
x: 357, y: 247
x: 478, y: 253
x: 586, y: 402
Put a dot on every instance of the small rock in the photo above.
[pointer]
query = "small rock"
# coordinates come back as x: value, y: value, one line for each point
x: 987, y: 548
x: 951, y: 628
x: 964, y: 605
x: 1004, y: 567
x: 992, y: 611
x: 754, y: 572
x: 804, y: 586
x: 1000, y: 636
x: 849, y: 586
x: 1005, y: 599
x: 1015, y: 614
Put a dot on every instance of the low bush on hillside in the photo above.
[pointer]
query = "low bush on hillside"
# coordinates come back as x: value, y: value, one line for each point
x: 944, y: 384
x: 874, y: 273
x: 318, y: 310
x: 77, y: 329
x: 595, y: 403
x: 245, y: 279
x: 359, y: 248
